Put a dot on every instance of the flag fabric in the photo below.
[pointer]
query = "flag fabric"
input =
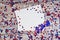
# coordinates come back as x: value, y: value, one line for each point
x: 47, y: 23
x: 42, y: 26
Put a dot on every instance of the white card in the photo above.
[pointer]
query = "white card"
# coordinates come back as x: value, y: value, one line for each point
x: 30, y: 18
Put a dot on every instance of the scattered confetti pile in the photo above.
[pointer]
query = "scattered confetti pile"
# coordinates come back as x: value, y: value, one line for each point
x: 49, y: 30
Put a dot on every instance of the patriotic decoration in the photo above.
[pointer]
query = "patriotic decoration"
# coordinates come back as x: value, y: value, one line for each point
x: 49, y: 29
